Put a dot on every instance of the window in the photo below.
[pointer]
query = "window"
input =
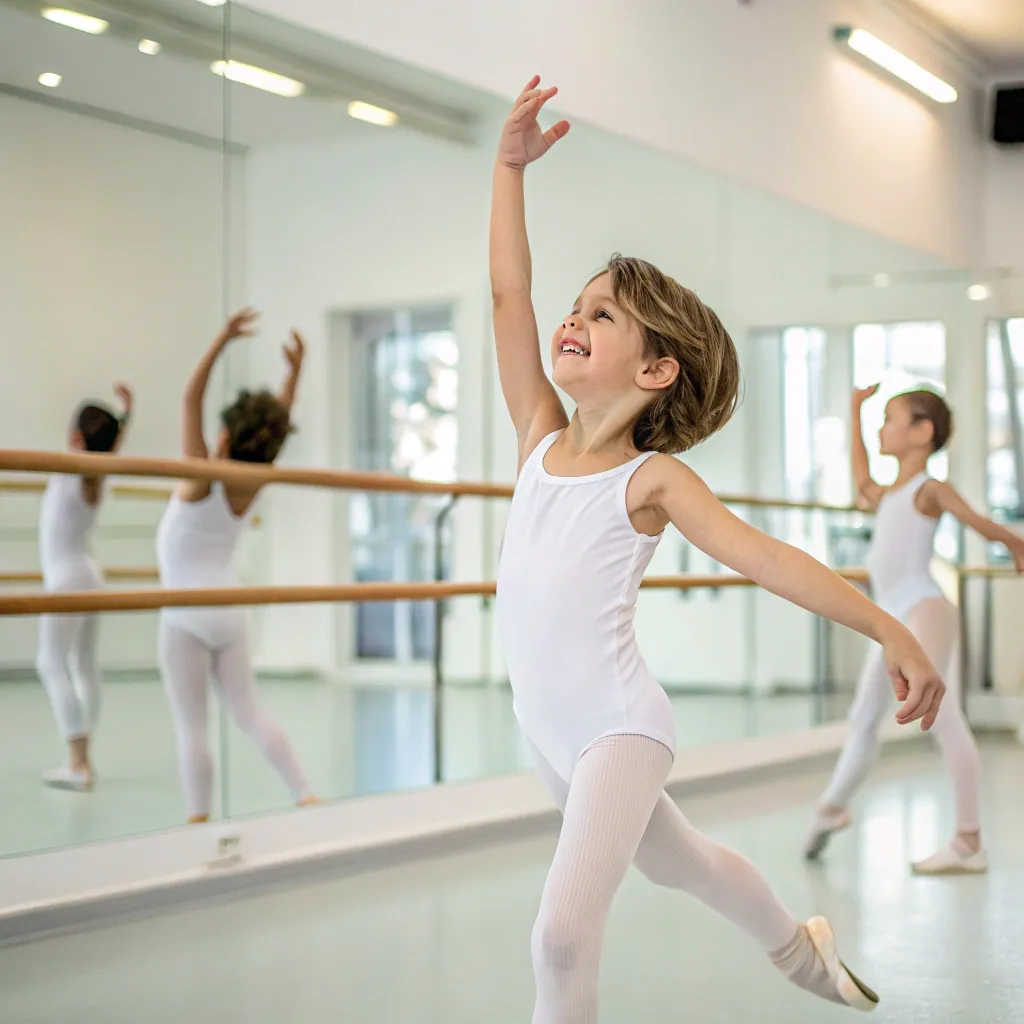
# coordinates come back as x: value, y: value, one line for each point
x: 1005, y: 406
x: 406, y: 392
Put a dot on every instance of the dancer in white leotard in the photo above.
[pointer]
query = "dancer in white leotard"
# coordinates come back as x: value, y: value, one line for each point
x: 196, y: 542
x: 66, y: 659
x: 653, y: 372
x: 917, y: 424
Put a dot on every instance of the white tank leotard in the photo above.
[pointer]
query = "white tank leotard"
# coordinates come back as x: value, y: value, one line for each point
x: 195, y: 546
x: 66, y: 522
x: 571, y: 565
x: 899, y: 561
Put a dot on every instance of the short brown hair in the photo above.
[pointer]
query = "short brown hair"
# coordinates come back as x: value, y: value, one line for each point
x: 677, y: 325
x: 927, y: 405
x: 98, y: 426
x: 258, y: 424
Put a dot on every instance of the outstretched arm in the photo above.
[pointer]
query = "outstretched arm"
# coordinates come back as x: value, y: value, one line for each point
x: 867, y: 487
x: 193, y: 443
x: 294, y: 354
x: 682, y: 497
x: 939, y: 497
x: 531, y: 398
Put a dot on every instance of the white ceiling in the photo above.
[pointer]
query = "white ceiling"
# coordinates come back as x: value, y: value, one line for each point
x: 178, y: 90
x: 991, y: 29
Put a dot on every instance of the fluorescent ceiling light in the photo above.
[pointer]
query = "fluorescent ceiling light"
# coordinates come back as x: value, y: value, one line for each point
x: 150, y: 47
x: 72, y: 19
x: 258, y: 78
x: 214, y: 3
x: 896, y: 63
x: 374, y: 115
x: 979, y: 292
x: 50, y: 79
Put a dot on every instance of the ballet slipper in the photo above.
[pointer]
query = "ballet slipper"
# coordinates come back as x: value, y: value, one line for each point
x: 810, y: 961
x: 955, y: 859
x: 78, y: 780
x: 197, y: 819
x: 824, y: 825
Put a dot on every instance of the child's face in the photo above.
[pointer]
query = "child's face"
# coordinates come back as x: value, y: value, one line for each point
x: 900, y: 434
x: 598, y: 349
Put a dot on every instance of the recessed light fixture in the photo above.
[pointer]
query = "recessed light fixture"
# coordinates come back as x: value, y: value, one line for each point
x: 979, y: 292
x: 150, y: 47
x: 371, y: 114
x: 214, y: 3
x: 50, y: 79
x: 882, y: 280
x: 258, y: 78
x: 896, y: 63
x: 72, y: 19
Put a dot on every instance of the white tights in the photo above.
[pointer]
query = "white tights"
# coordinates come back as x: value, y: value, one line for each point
x: 186, y: 664
x: 615, y: 811
x: 935, y: 624
x: 67, y: 665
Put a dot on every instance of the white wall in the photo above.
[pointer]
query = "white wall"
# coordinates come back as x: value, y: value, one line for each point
x: 111, y: 265
x: 759, y: 92
x: 1004, y: 222
x: 395, y: 218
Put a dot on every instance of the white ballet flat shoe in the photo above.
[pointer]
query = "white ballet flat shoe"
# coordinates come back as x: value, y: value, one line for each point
x: 66, y: 778
x: 848, y: 986
x: 950, y: 861
x: 822, y: 828
x: 810, y: 962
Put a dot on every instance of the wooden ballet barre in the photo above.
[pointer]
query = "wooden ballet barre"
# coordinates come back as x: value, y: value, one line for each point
x: 118, y: 491
x: 148, y: 600
x: 31, y: 461
x: 123, y: 573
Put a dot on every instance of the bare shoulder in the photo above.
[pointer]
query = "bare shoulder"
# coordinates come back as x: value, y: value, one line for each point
x: 661, y: 475
x: 190, y: 491
x: 934, y: 497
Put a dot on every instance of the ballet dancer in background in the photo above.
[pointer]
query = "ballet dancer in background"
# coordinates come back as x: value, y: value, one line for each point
x: 196, y: 541
x: 652, y: 372
x: 917, y: 424
x: 66, y: 660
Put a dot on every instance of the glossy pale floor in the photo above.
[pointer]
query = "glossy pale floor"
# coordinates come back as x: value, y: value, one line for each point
x: 446, y: 941
x: 350, y: 740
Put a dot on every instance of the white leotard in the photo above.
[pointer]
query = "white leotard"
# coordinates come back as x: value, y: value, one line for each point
x: 899, y: 561
x: 571, y: 565
x: 195, y: 546
x: 66, y: 523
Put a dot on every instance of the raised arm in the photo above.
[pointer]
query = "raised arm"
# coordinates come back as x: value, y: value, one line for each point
x: 938, y: 497
x: 867, y: 488
x: 193, y: 443
x: 127, y: 400
x: 294, y: 354
x: 684, y: 499
x: 531, y: 398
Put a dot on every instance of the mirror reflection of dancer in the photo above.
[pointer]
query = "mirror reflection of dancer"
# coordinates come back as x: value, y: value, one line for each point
x: 196, y: 541
x: 917, y: 424
x: 67, y: 660
x: 652, y: 372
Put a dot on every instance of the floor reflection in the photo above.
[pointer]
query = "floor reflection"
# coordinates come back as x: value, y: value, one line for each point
x: 351, y: 740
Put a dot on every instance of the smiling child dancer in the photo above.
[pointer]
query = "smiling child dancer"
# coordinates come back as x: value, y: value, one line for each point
x: 652, y: 372
x: 917, y: 424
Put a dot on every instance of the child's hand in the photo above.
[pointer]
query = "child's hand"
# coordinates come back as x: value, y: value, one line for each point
x: 522, y: 140
x: 124, y: 395
x: 295, y: 352
x: 861, y: 395
x: 241, y: 325
x: 915, y: 680
x: 1016, y: 549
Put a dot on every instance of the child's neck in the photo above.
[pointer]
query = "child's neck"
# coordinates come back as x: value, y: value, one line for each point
x: 911, y: 466
x: 604, y: 432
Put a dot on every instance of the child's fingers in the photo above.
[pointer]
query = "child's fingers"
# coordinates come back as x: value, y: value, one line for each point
x: 556, y: 132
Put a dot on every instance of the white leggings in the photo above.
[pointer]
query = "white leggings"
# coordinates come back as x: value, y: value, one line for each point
x: 935, y: 623
x: 615, y: 811
x: 186, y: 664
x: 67, y: 664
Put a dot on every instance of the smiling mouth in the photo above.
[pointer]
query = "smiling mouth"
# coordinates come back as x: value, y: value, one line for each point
x: 568, y: 348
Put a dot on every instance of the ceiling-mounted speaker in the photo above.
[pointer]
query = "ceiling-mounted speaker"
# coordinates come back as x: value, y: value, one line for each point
x: 1008, y: 115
